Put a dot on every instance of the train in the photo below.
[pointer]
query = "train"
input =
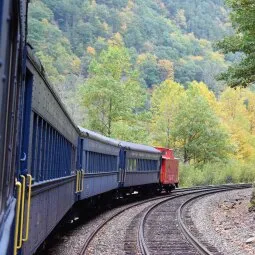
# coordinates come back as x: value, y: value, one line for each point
x: 49, y: 165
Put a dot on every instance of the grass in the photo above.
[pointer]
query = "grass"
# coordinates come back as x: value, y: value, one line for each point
x: 217, y: 173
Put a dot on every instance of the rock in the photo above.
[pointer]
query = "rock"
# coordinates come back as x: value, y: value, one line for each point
x: 250, y: 240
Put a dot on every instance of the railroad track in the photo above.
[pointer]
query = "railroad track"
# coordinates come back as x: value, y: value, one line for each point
x: 139, y: 240
x: 165, y: 226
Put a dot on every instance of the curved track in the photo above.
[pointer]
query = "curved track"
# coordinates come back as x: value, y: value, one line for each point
x: 166, y: 227
x: 147, y: 235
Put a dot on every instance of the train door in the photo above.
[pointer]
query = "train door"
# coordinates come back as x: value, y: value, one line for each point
x: 122, y: 167
x: 81, y: 165
x: 24, y: 179
x: 26, y: 117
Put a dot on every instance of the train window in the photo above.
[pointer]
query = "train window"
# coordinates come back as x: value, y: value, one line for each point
x: 149, y: 165
x: 50, y: 152
x: 141, y: 164
x: 98, y: 162
x: 131, y: 164
x: 146, y: 165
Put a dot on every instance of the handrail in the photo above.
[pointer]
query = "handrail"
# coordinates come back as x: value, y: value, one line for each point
x: 23, y: 186
x: 77, y: 181
x: 28, y: 207
x: 82, y: 182
x: 20, y: 209
x: 18, y: 187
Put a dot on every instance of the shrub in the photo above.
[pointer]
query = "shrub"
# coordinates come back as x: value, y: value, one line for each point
x: 217, y: 173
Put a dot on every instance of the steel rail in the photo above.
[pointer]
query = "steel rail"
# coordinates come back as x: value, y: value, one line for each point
x: 100, y: 226
x: 192, y: 239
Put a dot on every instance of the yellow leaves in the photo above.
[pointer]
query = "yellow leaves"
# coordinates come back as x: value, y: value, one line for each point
x: 105, y: 26
x: 203, y: 90
x: 45, y: 21
x: 216, y: 56
x: 145, y: 57
x: 249, y: 101
x: 196, y: 58
x: 168, y: 67
x: 165, y: 103
x: 130, y: 5
x: 204, y: 43
x: 91, y: 51
x: 116, y: 40
x: 76, y: 65
x: 232, y: 104
x: 237, y: 110
x: 243, y: 142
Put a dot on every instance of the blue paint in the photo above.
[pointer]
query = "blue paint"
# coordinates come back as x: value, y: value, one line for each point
x: 26, y: 123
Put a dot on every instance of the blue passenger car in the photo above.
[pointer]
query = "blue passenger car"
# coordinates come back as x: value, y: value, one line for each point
x: 140, y: 165
x: 12, y: 66
x: 99, y: 160
x: 48, y: 149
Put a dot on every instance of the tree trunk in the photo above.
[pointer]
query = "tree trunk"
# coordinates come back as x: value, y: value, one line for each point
x: 186, y: 159
x: 110, y: 118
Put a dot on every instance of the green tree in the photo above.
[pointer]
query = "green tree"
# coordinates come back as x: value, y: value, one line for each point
x: 242, y: 16
x: 164, y: 106
x: 197, y: 132
x: 112, y: 92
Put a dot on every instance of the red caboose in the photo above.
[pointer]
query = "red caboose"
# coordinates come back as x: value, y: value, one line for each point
x: 169, y: 175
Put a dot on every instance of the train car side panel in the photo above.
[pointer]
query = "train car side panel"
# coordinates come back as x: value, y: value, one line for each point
x: 141, y: 166
x: 50, y: 202
x: 51, y: 158
x: 99, y: 161
x: 169, y: 174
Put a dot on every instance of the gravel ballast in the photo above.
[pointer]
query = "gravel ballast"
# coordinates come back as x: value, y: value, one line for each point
x: 224, y: 221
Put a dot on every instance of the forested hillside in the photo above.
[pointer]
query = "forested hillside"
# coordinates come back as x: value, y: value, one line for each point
x: 165, y: 38
x: 145, y: 71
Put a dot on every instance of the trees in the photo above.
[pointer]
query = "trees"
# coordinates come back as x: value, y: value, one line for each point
x: 145, y: 26
x: 112, y: 92
x: 237, y: 113
x: 197, y: 132
x: 164, y: 106
x: 242, y: 16
x: 199, y: 17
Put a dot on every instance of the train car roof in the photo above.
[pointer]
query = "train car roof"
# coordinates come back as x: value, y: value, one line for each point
x: 36, y: 63
x: 127, y: 145
x: 139, y: 147
x: 96, y: 136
